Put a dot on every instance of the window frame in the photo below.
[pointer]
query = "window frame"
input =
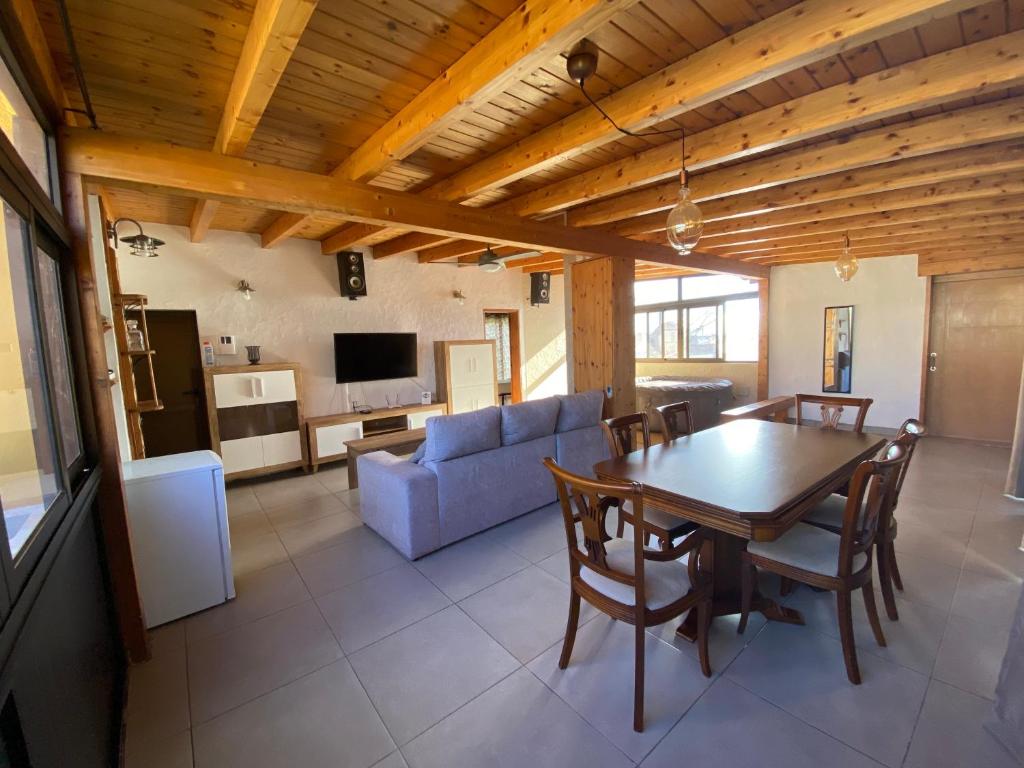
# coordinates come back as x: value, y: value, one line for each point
x: 684, y: 325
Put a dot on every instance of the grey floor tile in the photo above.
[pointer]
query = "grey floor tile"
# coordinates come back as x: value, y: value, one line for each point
x: 334, y: 478
x: 802, y: 671
x: 256, y: 553
x: 468, y: 566
x: 954, y: 521
x: 368, y: 610
x: 557, y: 565
x: 158, y: 706
x: 922, y: 540
x: 313, y: 535
x: 926, y: 581
x: 948, y: 488
x: 231, y: 668
x: 394, y: 760
x: 241, y: 500
x: 167, y: 638
x: 358, y: 553
x: 724, y: 642
x: 970, y: 656
x: 350, y: 498
x: 526, y: 612
x: 287, y: 490
x: 598, y: 683
x: 729, y: 727
x: 173, y: 751
x: 258, y: 594
x: 535, y: 536
x: 249, y: 526
x: 987, y: 599
x: 991, y: 549
x: 423, y: 673
x: 305, y: 510
x: 323, y: 720
x: 516, y: 724
x: 951, y: 733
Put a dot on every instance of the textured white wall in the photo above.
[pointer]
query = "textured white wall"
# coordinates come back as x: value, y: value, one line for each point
x: 297, y: 306
x: 544, y: 345
x: 888, y: 332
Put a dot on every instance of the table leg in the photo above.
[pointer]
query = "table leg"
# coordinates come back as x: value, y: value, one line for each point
x: 722, y: 560
x: 353, y: 475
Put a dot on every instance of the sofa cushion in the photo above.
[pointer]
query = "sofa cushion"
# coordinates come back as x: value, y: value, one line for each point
x: 421, y: 451
x: 578, y: 411
x: 578, y: 450
x: 528, y: 421
x: 449, y: 437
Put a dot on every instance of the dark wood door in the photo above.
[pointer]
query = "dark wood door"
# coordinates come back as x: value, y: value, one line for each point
x: 182, y: 424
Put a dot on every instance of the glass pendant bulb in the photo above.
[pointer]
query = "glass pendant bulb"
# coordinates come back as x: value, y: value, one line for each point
x: 846, y: 265
x: 685, y: 223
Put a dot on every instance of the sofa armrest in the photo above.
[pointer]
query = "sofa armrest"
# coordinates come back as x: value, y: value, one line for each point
x: 398, y: 499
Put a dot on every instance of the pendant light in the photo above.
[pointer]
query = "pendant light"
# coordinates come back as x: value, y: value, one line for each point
x: 685, y: 221
x: 846, y: 265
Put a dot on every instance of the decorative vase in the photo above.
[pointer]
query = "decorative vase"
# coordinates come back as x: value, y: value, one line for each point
x: 254, y: 354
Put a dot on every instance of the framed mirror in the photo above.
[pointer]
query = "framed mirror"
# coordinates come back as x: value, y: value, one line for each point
x: 837, y: 360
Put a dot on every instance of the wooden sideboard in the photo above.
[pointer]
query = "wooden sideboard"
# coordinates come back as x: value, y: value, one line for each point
x: 327, y: 435
x: 255, y: 414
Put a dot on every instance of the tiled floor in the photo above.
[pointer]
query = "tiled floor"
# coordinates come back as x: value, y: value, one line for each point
x: 337, y: 652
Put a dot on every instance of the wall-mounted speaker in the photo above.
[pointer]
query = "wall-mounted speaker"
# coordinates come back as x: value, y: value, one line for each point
x: 351, y: 274
x: 540, y: 288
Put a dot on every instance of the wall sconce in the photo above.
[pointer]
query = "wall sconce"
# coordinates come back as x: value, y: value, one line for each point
x: 246, y: 289
x: 140, y: 244
x: 459, y: 296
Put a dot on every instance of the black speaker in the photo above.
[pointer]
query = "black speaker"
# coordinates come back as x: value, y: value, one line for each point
x: 540, y: 288
x: 351, y: 274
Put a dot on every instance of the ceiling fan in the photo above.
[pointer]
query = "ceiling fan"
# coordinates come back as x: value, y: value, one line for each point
x: 489, y: 261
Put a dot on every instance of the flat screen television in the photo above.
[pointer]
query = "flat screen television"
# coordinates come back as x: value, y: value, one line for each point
x: 374, y: 356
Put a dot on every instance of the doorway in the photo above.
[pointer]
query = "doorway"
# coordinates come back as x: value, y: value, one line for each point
x: 975, y: 353
x: 182, y: 425
x: 502, y: 325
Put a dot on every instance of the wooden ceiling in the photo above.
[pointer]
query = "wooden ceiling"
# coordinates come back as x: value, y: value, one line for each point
x: 901, y: 124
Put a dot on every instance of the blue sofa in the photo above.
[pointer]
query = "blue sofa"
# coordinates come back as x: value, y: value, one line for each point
x: 478, y: 469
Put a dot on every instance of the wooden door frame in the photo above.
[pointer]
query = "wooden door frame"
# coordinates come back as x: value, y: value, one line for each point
x: 515, y: 349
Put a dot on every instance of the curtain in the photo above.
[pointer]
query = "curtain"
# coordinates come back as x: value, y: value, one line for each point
x: 496, y: 327
x: 1015, y: 480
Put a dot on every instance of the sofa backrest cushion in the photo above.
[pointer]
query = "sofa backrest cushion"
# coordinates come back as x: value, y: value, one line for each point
x: 449, y: 437
x: 528, y: 421
x: 578, y: 450
x: 580, y: 410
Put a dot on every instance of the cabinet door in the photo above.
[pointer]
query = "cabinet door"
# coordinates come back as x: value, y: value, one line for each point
x: 466, y: 399
x: 233, y: 389
x: 471, y: 364
x: 330, y: 441
x: 242, y: 454
x: 282, y: 448
x: 419, y: 418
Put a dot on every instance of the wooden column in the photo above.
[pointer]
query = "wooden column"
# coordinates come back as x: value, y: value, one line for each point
x: 763, y: 291
x: 603, y: 352
x: 110, y: 499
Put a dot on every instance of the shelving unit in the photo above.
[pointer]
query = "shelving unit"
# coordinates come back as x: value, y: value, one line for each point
x: 135, y: 364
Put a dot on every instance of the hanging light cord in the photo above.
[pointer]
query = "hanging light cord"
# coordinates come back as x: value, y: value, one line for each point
x: 76, y: 62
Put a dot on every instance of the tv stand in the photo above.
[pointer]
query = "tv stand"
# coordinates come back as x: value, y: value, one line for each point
x: 327, y: 435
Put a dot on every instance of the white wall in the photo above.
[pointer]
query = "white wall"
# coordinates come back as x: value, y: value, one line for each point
x: 297, y: 306
x: 888, y: 332
x: 544, y: 358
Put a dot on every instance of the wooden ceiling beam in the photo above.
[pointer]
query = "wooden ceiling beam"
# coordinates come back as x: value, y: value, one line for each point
x: 972, y: 70
x: 981, y: 262
x: 271, y: 39
x: 897, y: 246
x: 523, y: 42
x: 108, y: 158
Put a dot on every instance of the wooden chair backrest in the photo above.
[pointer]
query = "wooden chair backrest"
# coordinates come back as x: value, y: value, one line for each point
x: 586, y: 501
x: 913, y: 430
x: 871, y: 498
x: 832, y: 409
x: 676, y: 420
x: 620, y: 432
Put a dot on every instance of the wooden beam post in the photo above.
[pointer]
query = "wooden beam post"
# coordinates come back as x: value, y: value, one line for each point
x: 763, y: 297
x: 602, y: 331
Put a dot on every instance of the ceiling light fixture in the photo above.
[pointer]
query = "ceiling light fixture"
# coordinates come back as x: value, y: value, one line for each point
x: 140, y: 244
x: 846, y: 265
x: 246, y: 289
x: 685, y: 220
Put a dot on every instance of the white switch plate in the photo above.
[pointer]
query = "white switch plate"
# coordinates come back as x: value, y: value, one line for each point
x: 224, y: 345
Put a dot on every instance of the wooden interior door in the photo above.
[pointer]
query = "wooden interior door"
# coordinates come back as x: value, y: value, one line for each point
x: 976, y: 349
x: 182, y: 425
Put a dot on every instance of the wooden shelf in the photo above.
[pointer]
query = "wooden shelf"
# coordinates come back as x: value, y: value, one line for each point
x: 148, y: 406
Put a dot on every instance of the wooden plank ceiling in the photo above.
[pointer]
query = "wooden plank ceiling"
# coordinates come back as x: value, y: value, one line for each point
x: 907, y: 134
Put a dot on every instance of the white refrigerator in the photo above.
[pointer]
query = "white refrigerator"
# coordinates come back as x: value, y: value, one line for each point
x: 179, y: 531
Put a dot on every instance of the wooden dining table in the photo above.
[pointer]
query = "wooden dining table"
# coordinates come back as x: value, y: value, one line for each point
x: 743, y: 480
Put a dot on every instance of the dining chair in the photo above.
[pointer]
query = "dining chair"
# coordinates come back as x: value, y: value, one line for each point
x: 829, y: 515
x: 832, y: 409
x: 841, y: 562
x: 676, y: 420
x: 621, y: 432
x: 624, y: 579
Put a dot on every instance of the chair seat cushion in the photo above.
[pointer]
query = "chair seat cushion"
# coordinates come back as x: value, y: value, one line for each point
x: 664, y: 582
x: 658, y: 520
x: 829, y: 512
x: 808, y: 548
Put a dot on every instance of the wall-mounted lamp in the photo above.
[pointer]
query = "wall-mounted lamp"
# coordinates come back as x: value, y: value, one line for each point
x: 459, y: 296
x: 140, y: 244
x: 246, y: 289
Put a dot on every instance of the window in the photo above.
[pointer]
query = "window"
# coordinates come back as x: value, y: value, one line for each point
x: 496, y: 327
x: 710, y: 318
x: 21, y: 127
